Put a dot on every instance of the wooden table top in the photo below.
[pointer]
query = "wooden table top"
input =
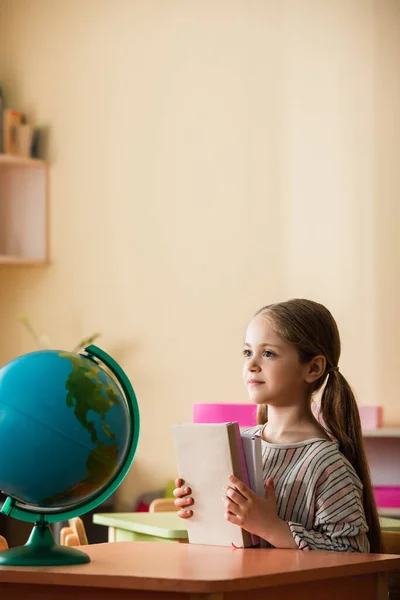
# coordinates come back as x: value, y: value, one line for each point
x: 198, y: 569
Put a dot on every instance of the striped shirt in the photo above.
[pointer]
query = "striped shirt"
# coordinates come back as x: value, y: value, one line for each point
x: 318, y: 494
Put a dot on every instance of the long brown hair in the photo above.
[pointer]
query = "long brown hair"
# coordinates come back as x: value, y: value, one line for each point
x: 311, y: 328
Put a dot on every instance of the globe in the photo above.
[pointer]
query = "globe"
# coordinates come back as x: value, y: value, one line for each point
x: 69, y: 430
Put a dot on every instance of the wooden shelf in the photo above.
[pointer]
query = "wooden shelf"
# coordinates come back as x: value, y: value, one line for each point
x: 385, y: 432
x: 22, y: 261
x: 21, y: 161
x: 382, y: 447
x: 23, y: 211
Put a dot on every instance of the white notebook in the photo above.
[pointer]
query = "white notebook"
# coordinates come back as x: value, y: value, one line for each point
x: 207, y: 453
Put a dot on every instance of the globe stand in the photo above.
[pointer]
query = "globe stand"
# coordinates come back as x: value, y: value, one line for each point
x: 41, y: 550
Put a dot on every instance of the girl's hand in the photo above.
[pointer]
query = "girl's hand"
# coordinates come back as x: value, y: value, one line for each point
x: 249, y: 510
x: 183, y: 499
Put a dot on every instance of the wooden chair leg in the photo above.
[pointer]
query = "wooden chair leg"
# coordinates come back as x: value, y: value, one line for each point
x: 3, y: 543
x: 79, y: 529
x: 72, y: 540
x: 112, y: 535
x: 63, y: 535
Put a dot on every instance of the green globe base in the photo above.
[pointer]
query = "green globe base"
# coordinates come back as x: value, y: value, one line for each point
x: 41, y: 550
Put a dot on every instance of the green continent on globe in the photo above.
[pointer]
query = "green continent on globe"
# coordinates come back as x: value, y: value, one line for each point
x: 100, y: 467
x: 86, y: 391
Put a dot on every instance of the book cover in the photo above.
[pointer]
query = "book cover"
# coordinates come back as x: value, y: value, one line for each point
x: 11, y: 120
x: 253, y: 457
x: 253, y: 454
x: 247, y: 457
x: 206, y: 455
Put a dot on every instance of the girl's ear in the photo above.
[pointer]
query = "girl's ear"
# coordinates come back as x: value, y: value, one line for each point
x: 315, y: 368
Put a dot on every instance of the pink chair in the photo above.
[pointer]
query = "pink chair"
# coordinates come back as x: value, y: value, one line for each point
x: 244, y: 414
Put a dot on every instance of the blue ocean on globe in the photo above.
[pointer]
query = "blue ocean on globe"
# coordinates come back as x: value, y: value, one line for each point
x: 64, y: 428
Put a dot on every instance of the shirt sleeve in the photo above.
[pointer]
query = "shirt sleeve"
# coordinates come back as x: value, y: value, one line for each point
x: 338, y: 522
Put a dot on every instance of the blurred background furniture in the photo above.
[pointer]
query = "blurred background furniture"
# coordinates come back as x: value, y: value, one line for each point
x: 162, y: 505
x: 382, y: 446
x: 3, y: 543
x: 391, y: 545
x: 388, y: 524
x: 95, y: 533
x: 214, y: 412
x: 163, y: 526
x: 74, y: 534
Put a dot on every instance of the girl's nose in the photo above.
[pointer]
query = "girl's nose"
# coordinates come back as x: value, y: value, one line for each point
x: 253, y: 366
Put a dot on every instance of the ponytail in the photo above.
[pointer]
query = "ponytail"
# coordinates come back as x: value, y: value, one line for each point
x: 341, y: 418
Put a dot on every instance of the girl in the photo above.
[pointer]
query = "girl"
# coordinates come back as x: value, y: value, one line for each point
x: 318, y: 489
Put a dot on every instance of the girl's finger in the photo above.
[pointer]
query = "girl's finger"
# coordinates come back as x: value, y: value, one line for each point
x: 232, y: 518
x: 231, y: 506
x: 183, y: 502
x: 179, y: 482
x: 184, y: 514
x: 239, y: 485
x: 180, y: 492
x: 269, y: 484
x: 235, y: 496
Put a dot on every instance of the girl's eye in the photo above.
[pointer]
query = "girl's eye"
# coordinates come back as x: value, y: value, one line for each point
x: 246, y: 353
x: 268, y: 354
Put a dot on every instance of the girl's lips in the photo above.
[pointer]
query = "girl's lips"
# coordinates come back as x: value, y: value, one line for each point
x: 255, y: 382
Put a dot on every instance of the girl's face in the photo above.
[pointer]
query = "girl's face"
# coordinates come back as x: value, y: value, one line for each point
x: 272, y: 371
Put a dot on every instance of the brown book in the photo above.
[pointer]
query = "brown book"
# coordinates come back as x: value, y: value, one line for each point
x: 207, y: 453
x: 11, y: 120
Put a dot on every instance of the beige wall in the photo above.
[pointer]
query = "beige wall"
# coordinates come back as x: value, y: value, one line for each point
x: 209, y: 157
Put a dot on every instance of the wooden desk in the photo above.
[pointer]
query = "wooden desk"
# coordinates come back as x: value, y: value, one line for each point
x: 133, y: 570
x: 165, y: 526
